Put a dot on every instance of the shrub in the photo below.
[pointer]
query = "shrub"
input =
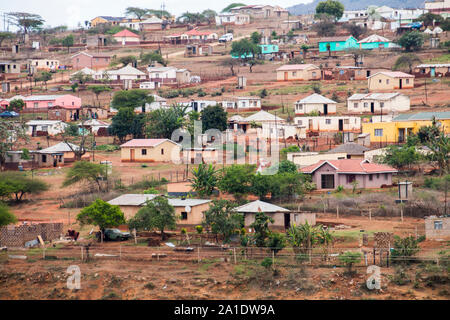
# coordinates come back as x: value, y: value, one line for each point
x: 316, y: 87
x: 350, y: 258
x: 267, y: 263
x: 151, y: 191
x: 404, y: 248
x: 199, y: 229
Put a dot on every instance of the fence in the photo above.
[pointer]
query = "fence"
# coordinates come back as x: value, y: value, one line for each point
x: 317, y: 257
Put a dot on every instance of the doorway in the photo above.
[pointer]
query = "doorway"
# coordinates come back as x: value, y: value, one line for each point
x: 287, y: 220
x: 325, y: 108
x: 400, y: 84
x: 131, y: 155
x: 372, y: 107
x: 341, y: 125
x: 327, y: 181
x: 286, y: 76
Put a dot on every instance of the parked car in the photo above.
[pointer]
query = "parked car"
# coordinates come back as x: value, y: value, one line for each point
x: 226, y: 37
x: 115, y: 235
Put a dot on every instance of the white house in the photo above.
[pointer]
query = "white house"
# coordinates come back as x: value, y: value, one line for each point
x: 36, y: 128
x: 150, y: 85
x: 242, y: 103
x: 126, y: 73
x: 227, y: 18
x: 282, y: 130
x: 378, y: 102
x: 198, y: 105
x: 330, y: 124
x: 315, y: 103
x: 304, y: 159
x: 158, y: 103
x: 162, y: 74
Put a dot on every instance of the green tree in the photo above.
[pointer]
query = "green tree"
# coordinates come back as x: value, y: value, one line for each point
x: 349, y: 258
x: 12, y: 134
x: 44, y: 76
x: 276, y: 242
x: 154, y: 56
x: 303, y: 237
x: 214, y: 117
x: 131, y: 98
x: 401, y: 156
x: 220, y: 219
x: 331, y: 8
x: 161, y: 123
x: 102, y: 214
x: 126, y: 60
x: 411, y: 41
x: 256, y: 37
x: 122, y: 123
x: 237, y: 180
x: 231, y: 6
x: 6, y: 217
x: 355, y: 30
x: 261, y: 228
x: 287, y: 166
x: 26, y: 21
x: 261, y: 185
x: 325, y: 29
x: 305, y: 49
x: 84, y: 171
x: 156, y: 214
x: 429, y: 19
x: 406, y: 62
x: 230, y: 63
x: 18, y: 184
x: 204, y: 179
x: 81, y: 78
x: 210, y: 15
x: 136, y: 12
x: 16, y: 105
x: 192, y: 18
x: 403, y: 248
x: 159, y: 13
x: 77, y: 137
x: 246, y: 51
x: 68, y: 42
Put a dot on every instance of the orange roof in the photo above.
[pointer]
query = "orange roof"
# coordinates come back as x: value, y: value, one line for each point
x: 195, y: 32
x: 126, y: 33
x: 351, y: 166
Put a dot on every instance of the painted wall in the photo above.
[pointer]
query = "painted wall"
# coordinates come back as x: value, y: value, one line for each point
x: 305, y: 108
x: 291, y: 75
x: 161, y: 153
x: 339, y: 45
x: 304, y: 159
x: 331, y: 123
x: 84, y: 61
x: 383, y: 82
x: 398, y: 103
x: 63, y: 100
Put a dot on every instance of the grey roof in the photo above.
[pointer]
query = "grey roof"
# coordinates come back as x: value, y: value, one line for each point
x: 316, y: 98
x: 435, y: 65
x: 350, y: 148
x: 60, y: 147
x: 140, y: 199
x: 127, y: 70
x: 374, y: 96
x: 43, y: 97
x: 109, y: 18
x: 263, y: 116
x: 260, y: 206
x: 444, y: 115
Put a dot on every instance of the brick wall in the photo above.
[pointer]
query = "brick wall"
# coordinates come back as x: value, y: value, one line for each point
x: 16, y: 236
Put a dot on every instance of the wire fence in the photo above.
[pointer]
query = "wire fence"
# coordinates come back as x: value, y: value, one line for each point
x: 319, y: 257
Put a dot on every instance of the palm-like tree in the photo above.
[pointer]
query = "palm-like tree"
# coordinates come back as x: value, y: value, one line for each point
x: 205, y: 179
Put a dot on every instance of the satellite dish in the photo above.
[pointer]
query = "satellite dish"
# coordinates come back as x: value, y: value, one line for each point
x: 187, y: 208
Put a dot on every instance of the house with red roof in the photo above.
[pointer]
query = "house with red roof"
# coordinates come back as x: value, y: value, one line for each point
x: 126, y: 37
x: 329, y: 174
x: 150, y: 150
x: 390, y: 80
x: 191, y: 36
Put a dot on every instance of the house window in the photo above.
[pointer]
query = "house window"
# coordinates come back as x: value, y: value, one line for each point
x: 50, y: 104
x: 381, y: 105
x: 378, y: 176
x: 57, y: 113
x: 314, y: 74
x: 327, y: 121
x: 294, y: 73
x: 346, y: 121
x: 407, y: 81
x: 162, y: 151
x: 36, y: 104
x: 351, y: 178
x: 378, y: 132
x: 184, y: 216
x: 355, y: 105
x: 379, y: 81
x: 386, y: 175
x: 438, y: 225
x: 366, y: 104
x: 370, y: 177
x: 300, y: 122
x: 387, y: 81
x: 144, y: 152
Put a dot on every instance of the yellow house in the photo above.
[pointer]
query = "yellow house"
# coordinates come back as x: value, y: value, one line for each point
x: 189, y: 211
x: 106, y: 19
x: 150, y: 150
x: 398, y: 130
x: 292, y: 72
x: 390, y: 80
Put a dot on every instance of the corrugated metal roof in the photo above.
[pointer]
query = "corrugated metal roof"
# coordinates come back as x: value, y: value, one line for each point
x: 263, y: 116
x: 435, y: 65
x: 316, y: 98
x: 140, y: 199
x: 260, y: 206
x: 60, y: 147
x: 394, y: 74
x: 145, y: 142
x: 444, y: 115
x: 350, y: 148
x: 374, y: 96
x: 374, y: 38
x: 351, y: 166
x: 289, y: 67
x: 127, y: 70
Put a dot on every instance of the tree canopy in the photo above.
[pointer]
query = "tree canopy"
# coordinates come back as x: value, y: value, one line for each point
x: 18, y: 184
x: 6, y: 217
x: 220, y: 219
x: 406, y: 62
x: 126, y: 122
x: 131, y: 98
x: 156, y: 214
x: 101, y: 214
x: 161, y: 123
x: 331, y: 8
x: 85, y: 171
x: 138, y: 13
x: 26, y: 21
x: 214, y: 117
x: 231, y: 6
x: 411, y: 41
x: 204, y: 179
x: 237, y: 179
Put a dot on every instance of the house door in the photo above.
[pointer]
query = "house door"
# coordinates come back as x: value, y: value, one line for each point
x: 341, y: 124
x: 368, y: 73
x: 310, y: 124
x: 325, y: 109
x: 372, y: 107
x: 287, y: 220
x: 327, y: 181
x: 285, y: 76
x: 433, y: 72
x: 400, y: 83
x: 131, y: 155
x: 401, y: 135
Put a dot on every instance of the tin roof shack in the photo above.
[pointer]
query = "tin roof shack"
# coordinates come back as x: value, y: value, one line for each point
x: 190, y: 211
x: 351, y: 149
x: 374, y: 41
x: 63, y: 152
x: 300, y: 72
x: 432, y: 70
x: 390, y: 80
x: 329, y: 174
x: 437, y: 228
x: 378, y: 103
x: 315, y: 103
x: 150, y: 150
x: 277, y: 213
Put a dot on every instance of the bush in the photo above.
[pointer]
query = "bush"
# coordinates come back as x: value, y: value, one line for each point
x: 267, y: 263
x: 350, y: 258
x: 316, y: 87
x: 199, y: 229
x: 151, y: 191
x: 404, y: 248
x: 107, y: 147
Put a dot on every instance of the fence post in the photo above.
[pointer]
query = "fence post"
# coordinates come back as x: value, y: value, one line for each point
x: 120, y: 252
x: 43, y: 253
x: 374, y: 255
x: 337, y: 212
x: 273, y: 259
x: 370, y: 214
x: 198, y: 254
x: 82, y: 253
x: 234, y: 254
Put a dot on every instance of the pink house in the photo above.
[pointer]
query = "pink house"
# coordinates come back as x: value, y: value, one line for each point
x: 328, y: 174
x: 47, y: 101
